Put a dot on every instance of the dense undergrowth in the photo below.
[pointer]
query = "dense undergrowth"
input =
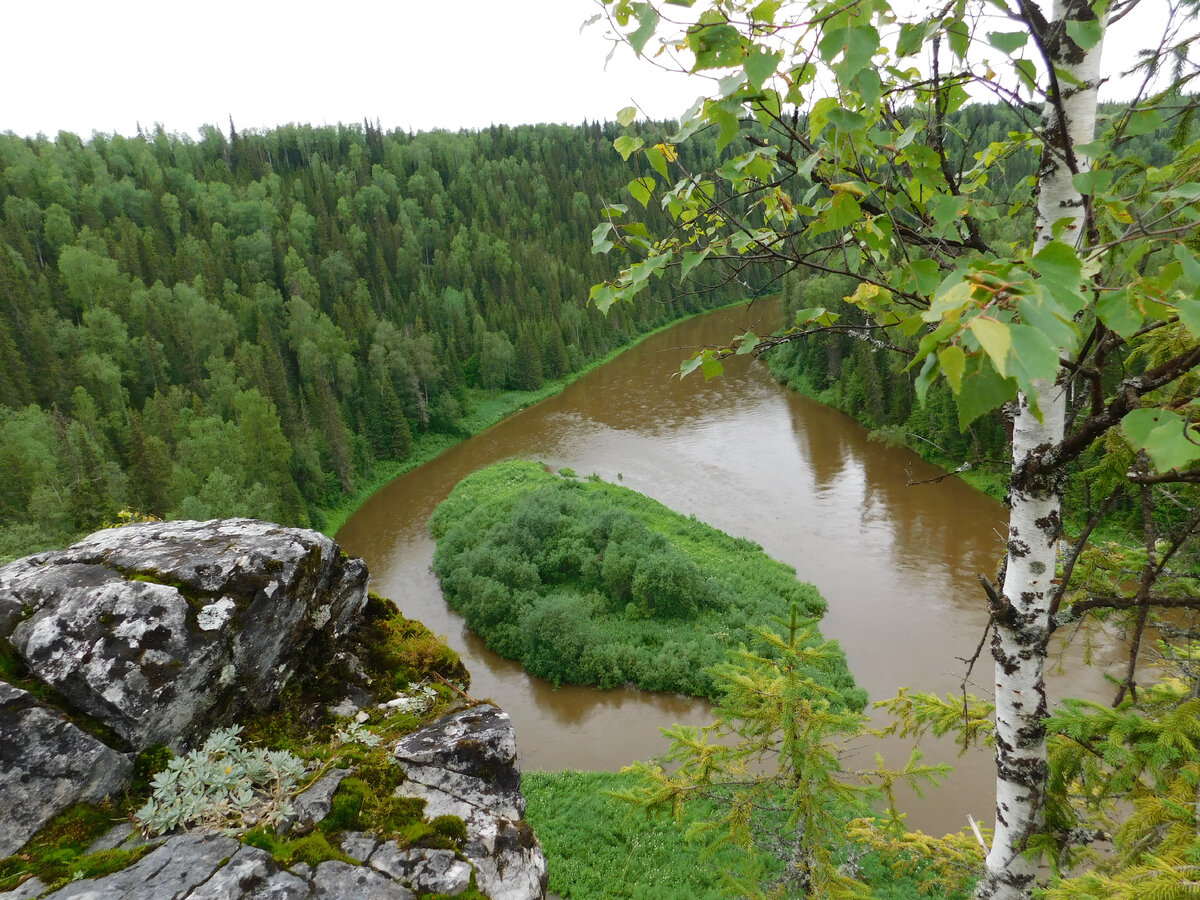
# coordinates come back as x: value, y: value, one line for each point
x: 601, y: 846
x: 591, y: 583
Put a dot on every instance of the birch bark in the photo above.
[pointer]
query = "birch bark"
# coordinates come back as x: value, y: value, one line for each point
x: 1021, y: 618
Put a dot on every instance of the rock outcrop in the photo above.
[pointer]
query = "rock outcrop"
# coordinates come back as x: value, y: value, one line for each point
x: 158, y: 633
x: 465, y: 765
x: 164, y: 630
x: 46, y: 765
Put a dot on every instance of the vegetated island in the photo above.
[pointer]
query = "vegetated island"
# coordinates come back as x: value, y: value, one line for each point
x: 592, y: 583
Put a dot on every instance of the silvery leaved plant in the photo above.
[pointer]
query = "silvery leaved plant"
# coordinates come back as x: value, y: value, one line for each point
x: 357, y: 733
x: 224, y: 784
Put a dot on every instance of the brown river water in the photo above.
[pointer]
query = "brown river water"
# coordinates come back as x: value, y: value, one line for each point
x: 898, y: 563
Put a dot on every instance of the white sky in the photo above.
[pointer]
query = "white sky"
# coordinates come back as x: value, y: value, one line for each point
x: 84, y: 65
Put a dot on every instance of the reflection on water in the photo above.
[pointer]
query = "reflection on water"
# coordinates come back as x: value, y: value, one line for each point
x: 897, y: 563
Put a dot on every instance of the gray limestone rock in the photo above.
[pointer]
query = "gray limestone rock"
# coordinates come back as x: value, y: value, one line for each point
x: 46, y: 765
x: 165, y: 630
x: 341, y: 881
x: 359, y: 845
x: 425, y: 871
x: 314, y: 804
x: 173, y: 870
x: 27, y: 890
x: 465, y: 765
x: 251, y: 874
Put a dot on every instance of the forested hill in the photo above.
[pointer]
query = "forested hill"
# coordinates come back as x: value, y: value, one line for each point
x: 247, y: 323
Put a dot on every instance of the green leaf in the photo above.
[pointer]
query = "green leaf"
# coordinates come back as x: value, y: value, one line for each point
x: 1085, y: 34
x: 818, y: 314
x: 819, y: 117
x: 627, y: 115
x: 925, y: 378
x: 1143, y: 121
x: 1008, y: 41
x: 912, y: 39
x: 648, y: 21
x: 1189, y: 315
x: 765, y: 11
x: 1163, y: 434
x: 725, y: 119
x: 688, y: 366
x: 959, y: 37
x: 711, y: 366
x: 842, y: 211
x: 1056, y: 322
x: 925, y: 273
x: 1059, y: 263
x: 1119, y: 313
x: 946, y: 209
x: 984, y: 389
x: 657, y: 161
x: 953, y: 362
x: 626, y: 145
x: 846, y: 119
x: 746, y: 343
x: 1034, y: 356
x: 760, y: 65
x: 600, y: 241
x: 1094, y: 181
x: 996, y: 340
x: 641, y: 188
x: 1027, y: 72
x: 715, y: 43
x: 690, y: 261
x: 602, y: 296
x: 1191, y: 267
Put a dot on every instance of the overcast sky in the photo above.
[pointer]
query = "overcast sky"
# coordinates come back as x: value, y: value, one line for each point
x: 84, y: 66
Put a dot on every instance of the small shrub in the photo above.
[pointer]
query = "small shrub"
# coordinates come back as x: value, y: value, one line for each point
x: 222, y: 785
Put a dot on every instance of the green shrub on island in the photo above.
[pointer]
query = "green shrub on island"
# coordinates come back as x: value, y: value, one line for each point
x: 591, y: 583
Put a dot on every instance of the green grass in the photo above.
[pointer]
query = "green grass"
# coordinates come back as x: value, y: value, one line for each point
x: 601, y: 847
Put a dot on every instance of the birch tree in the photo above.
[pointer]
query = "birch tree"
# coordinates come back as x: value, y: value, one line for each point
x: 840, y: 154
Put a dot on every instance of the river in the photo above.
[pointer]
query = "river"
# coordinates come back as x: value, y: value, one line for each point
x: 898, y: 563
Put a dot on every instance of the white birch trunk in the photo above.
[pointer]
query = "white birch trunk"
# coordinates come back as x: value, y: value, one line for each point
x: 1022, y: 625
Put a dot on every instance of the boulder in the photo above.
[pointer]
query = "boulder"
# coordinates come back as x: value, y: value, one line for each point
x: 165, y: 630
x: 46, y: 765
x: 465, y: 765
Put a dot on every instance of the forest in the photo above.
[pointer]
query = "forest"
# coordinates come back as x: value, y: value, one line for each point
x: 257, y: 323
x: 252, y: 323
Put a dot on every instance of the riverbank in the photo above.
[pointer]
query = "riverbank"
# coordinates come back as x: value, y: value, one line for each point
x: 487, y: 409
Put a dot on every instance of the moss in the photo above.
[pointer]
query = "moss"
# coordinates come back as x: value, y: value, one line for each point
x: 451, y: 827
x: 345, y: 812
x: 59, y: 850
x: 402, y: 651
x: 312, y: 849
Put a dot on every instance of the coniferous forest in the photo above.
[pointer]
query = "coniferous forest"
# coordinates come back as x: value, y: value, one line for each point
x: 248, y: 323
